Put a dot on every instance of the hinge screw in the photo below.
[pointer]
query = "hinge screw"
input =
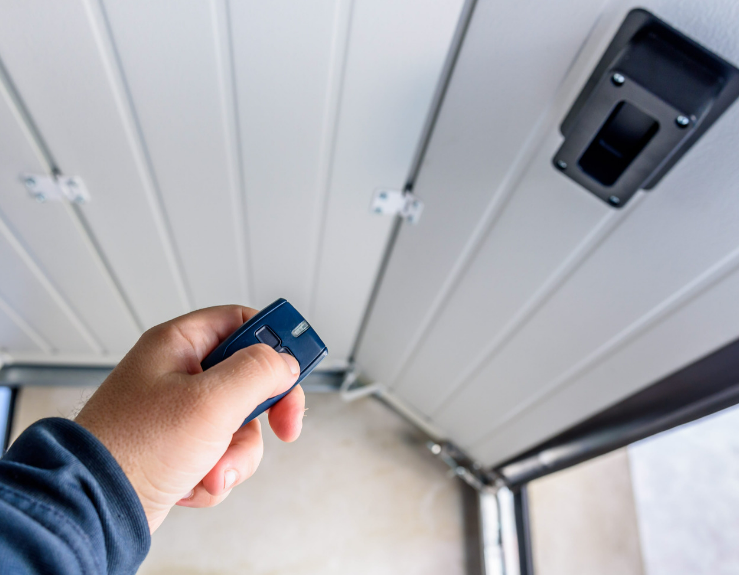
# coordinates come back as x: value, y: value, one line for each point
x: 561, y: 164
x: 618, y: 79
x: 614, y: 200
x: 40, y: 198
x: 30, y: 182
x: 682, y: 121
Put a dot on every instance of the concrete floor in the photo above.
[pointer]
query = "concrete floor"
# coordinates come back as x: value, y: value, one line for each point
x: 357, y: 494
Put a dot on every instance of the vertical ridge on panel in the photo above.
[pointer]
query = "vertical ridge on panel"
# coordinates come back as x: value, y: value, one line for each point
x: 396, y: 52
x: 170, y: 56
x: 282, y: 62
x: 332, y: 110
x: 70, y: 86
x: 488, y: 130
x: 51, y: 234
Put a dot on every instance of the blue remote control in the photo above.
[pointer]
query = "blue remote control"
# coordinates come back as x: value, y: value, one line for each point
x: 281, y: 327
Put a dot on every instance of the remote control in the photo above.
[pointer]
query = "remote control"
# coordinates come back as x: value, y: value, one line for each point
x: 281, y: 327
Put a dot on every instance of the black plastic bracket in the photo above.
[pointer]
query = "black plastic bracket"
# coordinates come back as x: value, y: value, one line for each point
x: 652, y: 95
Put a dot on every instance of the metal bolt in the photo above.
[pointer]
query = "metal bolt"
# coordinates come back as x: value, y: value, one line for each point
x: 435, y: 448
x: 618, y: 79
x: 614, y: 200
x: 40, y: 198
x: 561, y: 164
x: 30, y: 182
x: 383, y: 195
x: 682, y: 121
x: 460, y: 470
x: 378, y: 210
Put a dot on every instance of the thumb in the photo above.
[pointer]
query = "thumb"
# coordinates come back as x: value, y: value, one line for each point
x: 239, y: 383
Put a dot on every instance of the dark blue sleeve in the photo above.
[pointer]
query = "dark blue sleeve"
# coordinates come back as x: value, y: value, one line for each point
x: 66, y: 506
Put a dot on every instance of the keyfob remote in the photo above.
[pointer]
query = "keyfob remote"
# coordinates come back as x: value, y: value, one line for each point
x: 281, y: 327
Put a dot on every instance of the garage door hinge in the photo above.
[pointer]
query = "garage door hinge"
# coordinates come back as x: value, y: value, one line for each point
x: 397, y: 202
x: 55, y: 188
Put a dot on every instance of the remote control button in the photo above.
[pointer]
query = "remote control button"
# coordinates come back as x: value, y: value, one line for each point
x: 266, y: 335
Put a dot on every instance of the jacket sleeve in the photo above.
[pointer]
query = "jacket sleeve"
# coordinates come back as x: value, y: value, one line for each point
x: 66, y: 506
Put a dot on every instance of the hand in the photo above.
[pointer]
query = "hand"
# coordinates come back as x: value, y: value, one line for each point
x: 176, y: 430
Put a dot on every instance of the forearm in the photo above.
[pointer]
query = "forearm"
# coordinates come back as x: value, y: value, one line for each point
x: 66, y: 506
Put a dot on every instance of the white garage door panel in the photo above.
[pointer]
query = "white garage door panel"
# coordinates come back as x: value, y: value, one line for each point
x: 69, y: 83
x: 283, y: 57
x: 175, y: 56
x: 672, y: 237
x: 230, y: 148
x: 697, y: 327
x: 54, y: 243
x: 23, y: 287
x: 513, y: 58
x: 16, y: 334
x: 532, y: 247
x: 395, y: 55
x: 512, y: 311
x: 668, y: 239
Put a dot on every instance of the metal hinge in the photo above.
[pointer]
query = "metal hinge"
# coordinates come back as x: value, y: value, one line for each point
x: 397, y: 202
x: 55, y: 188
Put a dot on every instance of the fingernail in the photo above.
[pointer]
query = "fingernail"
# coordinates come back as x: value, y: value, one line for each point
x: 291, y: 362
x: 189, y: 495
x: 229, y: 478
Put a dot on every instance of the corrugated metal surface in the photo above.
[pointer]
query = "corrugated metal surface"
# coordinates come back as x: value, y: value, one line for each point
x: 230, y: 148
x: 522, y: 304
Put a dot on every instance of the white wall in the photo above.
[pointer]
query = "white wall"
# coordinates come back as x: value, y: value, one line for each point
x: 686, y: 486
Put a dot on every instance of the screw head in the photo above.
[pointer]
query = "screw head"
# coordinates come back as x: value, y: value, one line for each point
x: 30, y: 182
x: 383, y: 195
x: 436, y: 449
x: 618, y: 79
x: 79, y: 200
x: 561, y: 164
x: 614, y: 200
x: 40, y: 198
x: 378, y: 210
x: 682, y: 121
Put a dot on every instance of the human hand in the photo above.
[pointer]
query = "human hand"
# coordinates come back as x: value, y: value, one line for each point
x: 176, y: 430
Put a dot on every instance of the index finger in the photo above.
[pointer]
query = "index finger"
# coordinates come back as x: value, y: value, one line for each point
x: 206, y: 328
